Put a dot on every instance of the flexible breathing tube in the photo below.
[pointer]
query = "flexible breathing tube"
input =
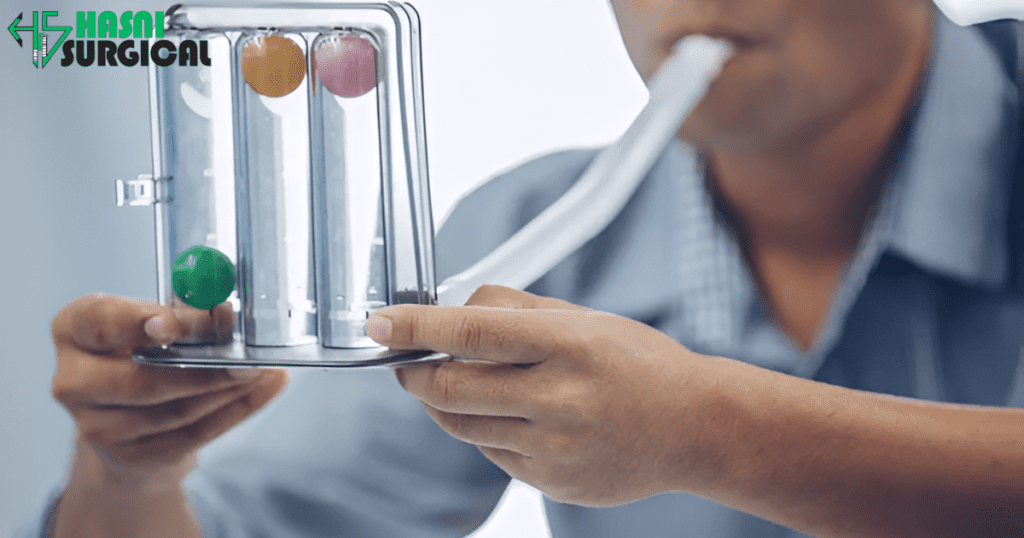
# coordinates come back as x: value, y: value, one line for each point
x: 609, y: 182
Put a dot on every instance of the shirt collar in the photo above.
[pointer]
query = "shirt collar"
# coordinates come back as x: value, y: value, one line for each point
x: 950, y: 206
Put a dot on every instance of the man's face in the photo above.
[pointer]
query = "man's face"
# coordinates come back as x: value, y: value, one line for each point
x: 798, y: 65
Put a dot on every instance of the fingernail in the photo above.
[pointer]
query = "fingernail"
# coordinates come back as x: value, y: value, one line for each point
x: 156, y: 328
x: 243, y: 373
x: 378, y: 328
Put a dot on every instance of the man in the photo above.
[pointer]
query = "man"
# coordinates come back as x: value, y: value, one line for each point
x: 846, y: 224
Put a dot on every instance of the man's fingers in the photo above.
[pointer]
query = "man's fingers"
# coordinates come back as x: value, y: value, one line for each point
x: 508, y: 433
x: 470, y: 387
x: 473, y: 332
x: 121, y: 424
x: 104, y: 323
x: 174, y: 445
x: 203, y: 326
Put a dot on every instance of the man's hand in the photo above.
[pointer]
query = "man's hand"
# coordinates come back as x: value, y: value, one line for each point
x: 587, y: 406
x: 144, y: 423
x: 595, y: 409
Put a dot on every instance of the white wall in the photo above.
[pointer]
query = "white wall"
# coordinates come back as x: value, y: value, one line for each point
x: 504, y: 81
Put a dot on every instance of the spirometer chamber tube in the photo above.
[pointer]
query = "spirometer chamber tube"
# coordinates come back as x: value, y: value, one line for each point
x: 193, y: 185
x: 348, y: 186
x: 275, y: 249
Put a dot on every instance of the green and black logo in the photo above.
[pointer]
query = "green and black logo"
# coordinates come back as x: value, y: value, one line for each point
x: 94, y: 40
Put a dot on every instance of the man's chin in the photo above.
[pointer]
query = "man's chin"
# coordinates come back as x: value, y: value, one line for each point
x: 718, y: 138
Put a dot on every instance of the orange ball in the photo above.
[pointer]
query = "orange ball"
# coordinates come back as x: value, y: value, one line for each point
x: 273, y: 65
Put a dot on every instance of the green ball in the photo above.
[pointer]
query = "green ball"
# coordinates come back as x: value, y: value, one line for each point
x: 203, y: 277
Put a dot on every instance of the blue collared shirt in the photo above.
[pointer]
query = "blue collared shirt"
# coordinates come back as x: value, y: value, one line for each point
x: 943, y: 210
x: 923, y: 310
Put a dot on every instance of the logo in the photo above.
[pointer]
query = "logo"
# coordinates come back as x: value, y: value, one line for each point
x: 95, y: 44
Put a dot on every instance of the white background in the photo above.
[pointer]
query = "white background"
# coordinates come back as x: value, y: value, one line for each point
x: 504, y: 81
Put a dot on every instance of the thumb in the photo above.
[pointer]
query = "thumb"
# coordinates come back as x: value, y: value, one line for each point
x: 104, y: 323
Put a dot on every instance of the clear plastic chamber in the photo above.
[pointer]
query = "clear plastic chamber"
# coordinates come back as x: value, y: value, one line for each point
x: 289, y: 182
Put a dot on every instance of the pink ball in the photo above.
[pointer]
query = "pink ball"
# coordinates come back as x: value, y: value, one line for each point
x: 347, y: 66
